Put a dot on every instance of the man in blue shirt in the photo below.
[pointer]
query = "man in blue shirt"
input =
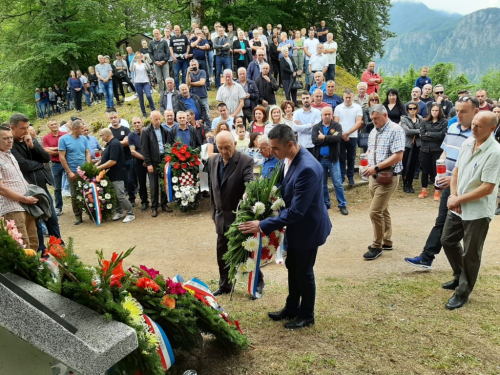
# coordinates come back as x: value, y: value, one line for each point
x: 303, y: 121
x: 94, y: 144
x: 326, y: 137
x: 185, y: 132
x: 319, y: 78
x: 199, y: 45
x: 187, y: 101
x: 466, y: 108
x: 270, y: 161
x: 330, y: 97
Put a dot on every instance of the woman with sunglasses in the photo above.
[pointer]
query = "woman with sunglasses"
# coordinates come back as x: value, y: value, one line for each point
x: 411, y: 124
x: 367, y: 121
x: 432, y: 133
x: 394, y: 106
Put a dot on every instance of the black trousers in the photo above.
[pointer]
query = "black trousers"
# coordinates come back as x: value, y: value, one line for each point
x: 433, y: 245
x: 247, y: 116
x: 275, y: 67
x: 142, y: 173
x: 77, y: 95
x: 301, y: 283
x: 156, y: 190
x: 465, y: 262
x: 129, y: 83
x: 291, y: 94
x: 410, y: 160
x: 115, y: 89
x: 428, y: 165
x: 224, y: 282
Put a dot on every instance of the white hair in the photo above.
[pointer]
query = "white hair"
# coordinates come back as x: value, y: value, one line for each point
x: 362, y: 84
x: 263, y: 139
x: 228, y: 71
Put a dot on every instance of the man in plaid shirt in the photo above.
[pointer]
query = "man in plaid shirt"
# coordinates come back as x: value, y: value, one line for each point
x: 12, y: 190
x: 386, y: 145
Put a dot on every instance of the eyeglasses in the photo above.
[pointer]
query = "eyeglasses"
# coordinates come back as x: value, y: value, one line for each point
x: 374, y: 100
x: 438, y: 92
x: 412, y: 108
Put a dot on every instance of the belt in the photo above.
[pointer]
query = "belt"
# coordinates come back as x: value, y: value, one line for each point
x: 393, y: 173
x: 325, y: 157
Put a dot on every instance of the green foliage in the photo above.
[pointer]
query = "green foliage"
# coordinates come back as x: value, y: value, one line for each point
x: 491, y: 83
x: 441, y: 73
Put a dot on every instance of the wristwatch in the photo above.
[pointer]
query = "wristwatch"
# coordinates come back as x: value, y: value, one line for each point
x: 376, y: 168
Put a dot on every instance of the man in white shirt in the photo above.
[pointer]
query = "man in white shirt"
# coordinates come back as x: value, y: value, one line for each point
x: 231, y: 93
x: 350, y: 116
x: 310, y: 48
x: 331, y: 52
x: 317, y: 63
x: 303, y: 121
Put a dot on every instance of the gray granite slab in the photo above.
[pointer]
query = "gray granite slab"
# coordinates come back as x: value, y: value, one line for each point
x: 97, y: 345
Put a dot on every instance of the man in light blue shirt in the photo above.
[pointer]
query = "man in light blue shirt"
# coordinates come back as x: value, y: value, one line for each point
x: 92, y: 142
x: 223, y: 116
x: 270, y: 161
x: 303, y: 121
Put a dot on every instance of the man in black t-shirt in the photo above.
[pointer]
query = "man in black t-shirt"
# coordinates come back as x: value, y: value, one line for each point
x: 134, y: 142
x: 179, y: 50
x: 121, y: 133
x: 113, y: 160
x: 322, y: 32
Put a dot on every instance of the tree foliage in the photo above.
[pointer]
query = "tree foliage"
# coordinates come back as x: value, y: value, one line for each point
x: 491, y: 83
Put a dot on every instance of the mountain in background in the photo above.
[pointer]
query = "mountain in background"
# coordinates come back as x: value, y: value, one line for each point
x: 426, y: 37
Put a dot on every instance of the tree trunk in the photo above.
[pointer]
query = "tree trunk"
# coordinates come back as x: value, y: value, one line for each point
x: 197, y: 11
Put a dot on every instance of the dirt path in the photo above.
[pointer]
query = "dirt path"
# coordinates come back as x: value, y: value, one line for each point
x: 185, y: 243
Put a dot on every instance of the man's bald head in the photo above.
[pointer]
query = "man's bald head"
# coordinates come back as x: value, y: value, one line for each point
x: 106, y: 131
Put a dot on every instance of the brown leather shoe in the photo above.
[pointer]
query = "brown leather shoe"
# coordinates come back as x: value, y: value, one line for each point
x: 165, y: 208
x: 154, y: 212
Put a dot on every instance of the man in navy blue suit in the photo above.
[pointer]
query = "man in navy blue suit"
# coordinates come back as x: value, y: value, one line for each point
x: 307, y: 222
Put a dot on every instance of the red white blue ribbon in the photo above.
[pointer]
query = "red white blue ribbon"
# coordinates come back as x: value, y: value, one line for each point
x: 167, y: 178
x: 97, y: 203
x: 253, y: 276
x: 164, y: 348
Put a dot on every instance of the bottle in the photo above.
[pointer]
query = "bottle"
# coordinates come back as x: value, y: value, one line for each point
x: 440, y: 171
x: 363, y: 165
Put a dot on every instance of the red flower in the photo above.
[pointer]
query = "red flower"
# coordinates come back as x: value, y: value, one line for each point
x: 183, y: 149
x: 117, y: 274
x: 195, y: 156
x: 147, y: 283
x: 182, y: 158
x: 177, y: 165
x: 175, y: 288
x: 55, y: 248
x: 191, y: 164
x: 197, y: 162
x: 184, y: 165
x: 187, y: 155
x: 168, y: 158
x: 174, y: 149
x: 177, y: 144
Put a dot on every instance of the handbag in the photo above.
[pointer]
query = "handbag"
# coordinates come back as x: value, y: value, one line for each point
x: 297, y: 85
x: 383, y: 176
x: 120, y: 74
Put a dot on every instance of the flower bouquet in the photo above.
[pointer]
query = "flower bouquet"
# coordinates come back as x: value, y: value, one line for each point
x: 96, y: 194
x: 180, y: 178
x: 246, y: 251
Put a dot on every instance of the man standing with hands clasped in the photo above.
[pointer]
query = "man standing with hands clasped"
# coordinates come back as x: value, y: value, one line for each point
x: 307, y: 221
x: 473, y: 194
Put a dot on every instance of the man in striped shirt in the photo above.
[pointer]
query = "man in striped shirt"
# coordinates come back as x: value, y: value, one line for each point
x: 466, y: 107
x: 12, y: 190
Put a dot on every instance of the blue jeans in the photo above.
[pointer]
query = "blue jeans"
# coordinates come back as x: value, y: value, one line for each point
x: 58, y: 173
x: 146, y: 87
x: 330, y: 73
x: 65, y: 183
x: 348, y: 153
x: 203, y: 66
x: 180, y: 65
x: 332, y: 169
x: 94, y: 90
x: 107, y: 90
x: 211, y: 62
x: 87, y: 95
x: 221, y: 63
x: 52, y: 224
x: 41, y: 110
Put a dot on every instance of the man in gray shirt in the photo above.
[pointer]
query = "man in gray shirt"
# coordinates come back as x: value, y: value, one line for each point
x: 104, y: 73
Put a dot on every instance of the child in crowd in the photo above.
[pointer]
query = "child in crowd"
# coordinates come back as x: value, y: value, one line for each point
x: 423, y: 79
x: 241, y: 140
x: 60, y: 105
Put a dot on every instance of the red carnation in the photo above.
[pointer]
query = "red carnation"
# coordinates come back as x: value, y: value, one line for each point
x: 177, y: 165
x: 182, y: 158
x: 184, y: 165
x: 191, y: 164
x: 187, y: 155
x: 195, y: 156
x: 177, y: 144
x: 168, y: 158
x: 174, y: 150
x: 197, y: 162
x: 183, y: 149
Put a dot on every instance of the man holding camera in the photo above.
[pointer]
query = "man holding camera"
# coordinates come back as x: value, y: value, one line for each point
x: 197, y: 79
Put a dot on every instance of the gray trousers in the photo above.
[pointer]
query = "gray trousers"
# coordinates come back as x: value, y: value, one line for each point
x: 465, y: 262
x: 122, y: 201
x: 162, y: 73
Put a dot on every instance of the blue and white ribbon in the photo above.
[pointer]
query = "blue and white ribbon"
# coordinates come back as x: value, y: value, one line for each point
x: 97, y: 203
x: 167, y: 177
x: 253, y: 276
x: 164, y: 348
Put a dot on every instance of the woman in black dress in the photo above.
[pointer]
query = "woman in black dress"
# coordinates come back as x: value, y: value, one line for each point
x: 395, y: 109
x: 288, y: 73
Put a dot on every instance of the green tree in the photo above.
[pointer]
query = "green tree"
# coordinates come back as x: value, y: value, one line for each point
x: 491, y: 83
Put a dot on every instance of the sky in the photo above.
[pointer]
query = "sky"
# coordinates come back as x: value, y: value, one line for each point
x: 458, y: 6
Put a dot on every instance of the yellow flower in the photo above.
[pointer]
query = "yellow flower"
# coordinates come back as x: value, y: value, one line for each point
x: 134, y: 308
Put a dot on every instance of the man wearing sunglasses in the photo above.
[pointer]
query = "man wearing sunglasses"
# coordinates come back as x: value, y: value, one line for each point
x: 446, y: 105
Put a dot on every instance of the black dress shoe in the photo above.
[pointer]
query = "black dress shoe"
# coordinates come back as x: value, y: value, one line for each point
x: 166, y: 209
x: 282, y: 315
x: 258, y: 293
x: 144, y: 206
x: 343, y: 211
x: 78, y: 220
x: 456, y: 302
x: 451, y: 285
x: 411, y: 191
x: 220, y: 292
x: 154, y: 212
x: 299, y: 323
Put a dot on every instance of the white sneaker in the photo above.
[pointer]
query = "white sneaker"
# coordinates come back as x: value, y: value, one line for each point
x: 118, y: 216
x: 128, y: 218
x: 59, y: 212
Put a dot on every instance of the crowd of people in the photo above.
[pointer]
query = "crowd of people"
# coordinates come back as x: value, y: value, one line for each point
x: 314, y: 140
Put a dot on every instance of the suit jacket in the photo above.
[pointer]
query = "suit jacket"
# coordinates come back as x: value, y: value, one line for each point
x: 248, y: 58
x: 305, y: 216
x: 267, y: 90
x: 226, y: 194
x: 31, y: 162
x: 287, y: 70
x: 149, y: 145
x: 332, y: 140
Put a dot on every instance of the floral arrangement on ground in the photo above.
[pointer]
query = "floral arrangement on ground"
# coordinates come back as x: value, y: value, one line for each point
x: 245, y: 251
x: 180, y: 179
x: 140, y: 297
x: 95, y: 192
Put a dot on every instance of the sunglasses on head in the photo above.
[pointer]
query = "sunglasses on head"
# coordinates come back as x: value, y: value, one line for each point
x: 439, y: 92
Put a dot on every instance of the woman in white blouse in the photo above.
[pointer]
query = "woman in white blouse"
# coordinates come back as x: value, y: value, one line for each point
x: 141, y: 82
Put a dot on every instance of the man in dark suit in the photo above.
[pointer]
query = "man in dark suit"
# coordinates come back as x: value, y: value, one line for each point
x: 307, y: 224
x: 228, y: 172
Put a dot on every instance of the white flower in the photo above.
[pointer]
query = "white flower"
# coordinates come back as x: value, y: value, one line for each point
x: 85, y: 186
x: 191, y: 199
x: 107, y: 196
x: 79, y: 183
x: 273, y: 191
x: 104, y: 183
x: 274, y: 213
x: 184, y: 203
x: 278, y: 203
x: 174, y: 179
x: 178, y: 195
x: 251, y: 244
x: 109, y: 206
x: 259, y: 208
x: 278, y: 235
x: 271, y: 249
x: 265, y: 241
x: 175, y: 187
x: 183, y: 188
x: 241, y: 277
x: 80, y: 198
x: 242, y: 268
x: 91, y: 205
x: 250, y: 265
x: 100, y: 198
x: 183, y: 174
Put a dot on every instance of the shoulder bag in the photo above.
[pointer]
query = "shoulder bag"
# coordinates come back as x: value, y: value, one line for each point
x: 383, y: 176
